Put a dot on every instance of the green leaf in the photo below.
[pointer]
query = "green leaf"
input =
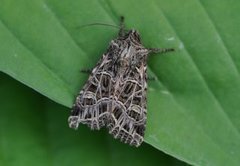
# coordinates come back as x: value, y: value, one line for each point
x: 192, y: 107
x: 34, y: 131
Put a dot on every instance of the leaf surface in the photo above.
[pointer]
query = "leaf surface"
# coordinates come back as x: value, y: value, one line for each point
x: 192, y: 107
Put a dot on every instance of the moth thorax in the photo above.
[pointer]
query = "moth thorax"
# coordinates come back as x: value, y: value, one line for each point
x: 124, y: 62
x: 126, y: 56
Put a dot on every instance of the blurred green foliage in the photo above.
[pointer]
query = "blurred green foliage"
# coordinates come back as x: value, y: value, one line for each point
x: 34, y: 131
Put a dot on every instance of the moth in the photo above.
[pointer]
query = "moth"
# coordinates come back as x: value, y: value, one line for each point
x: 114, y: 95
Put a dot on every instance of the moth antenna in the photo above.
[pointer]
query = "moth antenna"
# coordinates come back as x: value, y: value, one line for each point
x: 98, y: 23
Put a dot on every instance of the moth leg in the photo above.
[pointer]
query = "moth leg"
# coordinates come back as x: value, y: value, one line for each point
x: 87, y: 71
x: 122, y: 27
x: 151, y: 78
x: 160, y: 50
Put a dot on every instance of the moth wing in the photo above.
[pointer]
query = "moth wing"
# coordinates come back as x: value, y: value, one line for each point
x: 128, y: 115
x: 92, y: 104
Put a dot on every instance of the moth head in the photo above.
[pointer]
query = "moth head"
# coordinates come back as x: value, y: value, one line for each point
x: 128, y: 50
x: 134, y: 35
x: 129, y: 56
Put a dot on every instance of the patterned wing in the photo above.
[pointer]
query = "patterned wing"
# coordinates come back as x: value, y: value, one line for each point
x: 93, y: 102
x: 128, y: 115
x: 115, y: 93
